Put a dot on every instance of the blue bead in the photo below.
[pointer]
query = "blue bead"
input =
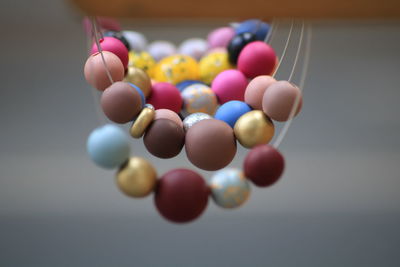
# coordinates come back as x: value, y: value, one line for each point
x: 108, y: 146
x: 142, y: 97
x: 231, y: 111
x: 182, y: 85
x: 259, y: 28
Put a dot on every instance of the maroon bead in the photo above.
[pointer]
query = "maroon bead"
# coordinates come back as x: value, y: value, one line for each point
x: 264, y: 165
x: 181, y: 195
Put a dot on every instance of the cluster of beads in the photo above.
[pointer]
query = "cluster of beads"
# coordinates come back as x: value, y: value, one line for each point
x: 203, y: 96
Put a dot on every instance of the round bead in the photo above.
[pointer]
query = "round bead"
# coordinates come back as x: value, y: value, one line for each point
x: 220, y: 37
x: 199, y: 98
x: 114, y: 46
x: 169, y: 115
x: 237, y: 44
x: 95, y: 70
x: 108, y: 146
x: 258, y: 27
x: 142, y: 97
x: 177, y: 68
x: 118, y: 35
x: 254, y: 128
x: 194, y: 47
x: 137, y: 178
x: 229, y: 85
x: 279, y: 99
x: 213, y: 64
x: 182, y: 85
x: 143, y: 61
x: 181, y: 195
x: 210, y: 144
x: 139, y: 78
x: 231, y: 111
x: 194, y: 118
x: 161, y: 49
x: 164, y: 138
x: 167, y: 96
x: 255, y: 90
x: 121, y: 102
x: 257, y: 58
x: 142, y: 122
x: 136, y: 40
x: 229, y: 188
x: 264, y: 165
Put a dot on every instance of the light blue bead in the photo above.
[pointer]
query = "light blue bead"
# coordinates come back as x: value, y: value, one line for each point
x: 142, y: 97
x: 108, y: 146
x: 259, y: 28
x: 231, y: 111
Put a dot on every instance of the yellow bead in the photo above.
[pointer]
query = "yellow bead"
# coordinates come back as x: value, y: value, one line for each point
x: 176, y: 69
x: 139, y: 78
x: 254, y: 128
x: 137, y: 178
x: 213, y: 64
x: 143, y: 61
x: 142, y: 122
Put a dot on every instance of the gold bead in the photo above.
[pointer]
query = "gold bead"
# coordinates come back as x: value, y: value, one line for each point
x: 143, y: 121
x: 137, y: 177
x: 254, y: 128
x: 139, y: 78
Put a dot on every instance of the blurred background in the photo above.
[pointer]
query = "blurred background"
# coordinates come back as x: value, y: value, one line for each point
x: 338, y: 203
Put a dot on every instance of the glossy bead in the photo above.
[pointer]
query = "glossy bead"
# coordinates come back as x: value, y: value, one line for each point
x: 143, y: 61
x: 181, y: 195
x: 164, y: 138
x: 95, y: 70
x: 229, y: 85
x: 165, y: 96
x: 161, y: 49
x: 220, y: 37
x: 177, y: 68
x: 118, y: 35
x: 139, y: 78
x: 254, y: 128
x: 108, y: 146
x: 257, y: 58
x: 210, y: 144
x: 279, y: 99
x: 182, y: 85
x: 237, y: 44
x: 194, y: 47
x: 137, y: 177
x: 264, y: 165
x: 231, y: 111
x: 255, y: 90
x: 199, y: 98
x: 213, y: 64
x: 229, y: 188
x: 121, y: 102
x: 169, y: 115
x: 136, y: 40
x: 114, y: 46
x: 255, y: 26
x: 142, y: 122
x: 194, y: 118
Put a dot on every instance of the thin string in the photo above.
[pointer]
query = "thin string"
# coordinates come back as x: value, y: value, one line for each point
x: 271, y: 33
x: 285, y: 49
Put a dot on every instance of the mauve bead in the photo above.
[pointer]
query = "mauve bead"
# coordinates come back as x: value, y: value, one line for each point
x: 256, y: 89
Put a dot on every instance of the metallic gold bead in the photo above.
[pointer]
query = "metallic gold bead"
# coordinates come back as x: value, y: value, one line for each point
x: 254, y: 128
x: 142, y: 122
x: 139, y: 78
x: 137, y: 177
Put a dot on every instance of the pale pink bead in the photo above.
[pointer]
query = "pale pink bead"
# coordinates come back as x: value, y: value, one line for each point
x: 169, y: 115
x: 255, y: 90
x: 220, y: 37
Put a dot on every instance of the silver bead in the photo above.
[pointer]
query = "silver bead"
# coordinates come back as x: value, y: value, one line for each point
x: 150, y: 106
x: 194, y: 118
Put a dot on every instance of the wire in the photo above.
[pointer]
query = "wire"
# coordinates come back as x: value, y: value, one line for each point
x: 285, y: 49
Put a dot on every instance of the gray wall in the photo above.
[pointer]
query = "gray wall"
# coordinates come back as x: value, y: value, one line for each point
x: 337, y: 204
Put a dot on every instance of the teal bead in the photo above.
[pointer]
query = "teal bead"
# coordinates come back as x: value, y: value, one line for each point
x: 229, y: 188
x: 108, y: 146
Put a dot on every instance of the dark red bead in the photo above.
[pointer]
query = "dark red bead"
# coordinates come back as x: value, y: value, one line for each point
x: 264, y: 165
x: 181, y: 195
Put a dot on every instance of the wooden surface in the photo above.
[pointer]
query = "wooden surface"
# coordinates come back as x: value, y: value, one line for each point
x: 241, y: 9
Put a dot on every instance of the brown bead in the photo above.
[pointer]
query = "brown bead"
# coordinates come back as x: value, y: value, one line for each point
x: 164, y: 138
x: 210, y: 144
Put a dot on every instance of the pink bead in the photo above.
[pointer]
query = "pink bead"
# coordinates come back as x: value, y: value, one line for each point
x: 165, y: 96
x: 115, y: 46
x: 229, y: 85
x: 255, y: 90
x: 95, y: 70
x: 257, y: 58
x: 169, y: 115
x: 220, y: 37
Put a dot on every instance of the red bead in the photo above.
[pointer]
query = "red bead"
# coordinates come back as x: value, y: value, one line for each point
x: 181, y: 195
x: 165, y: 96
x: 264, y: 165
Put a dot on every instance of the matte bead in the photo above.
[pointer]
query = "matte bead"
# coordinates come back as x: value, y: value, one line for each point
x: 210, y: 144
x: 229, y: 85
x: 164, y: 138
x: 255, y: 26
x: 264, y: 165
x: 181, y: 195
x: 199, y: 98
x: 256, y: 89
x: 161, y: 49
x: 118, y: 35
x: 95, y: 70
x: 108, y: 146
x: 121, y: 102
x: 231, y: 111
x: 177, y: 68
x: 213, y: 64
x: 169, y: 115
x: 142, y: 122
x: 237, y: 44
x: 142, y: 97
x: 165, y: 96
x: 136, y: 40
x: 220, y: 37
x: 139, y: 78
x: 114, y: 46
x: 193, y: 47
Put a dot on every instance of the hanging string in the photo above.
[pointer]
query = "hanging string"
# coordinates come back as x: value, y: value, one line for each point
x: 284, y: 49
